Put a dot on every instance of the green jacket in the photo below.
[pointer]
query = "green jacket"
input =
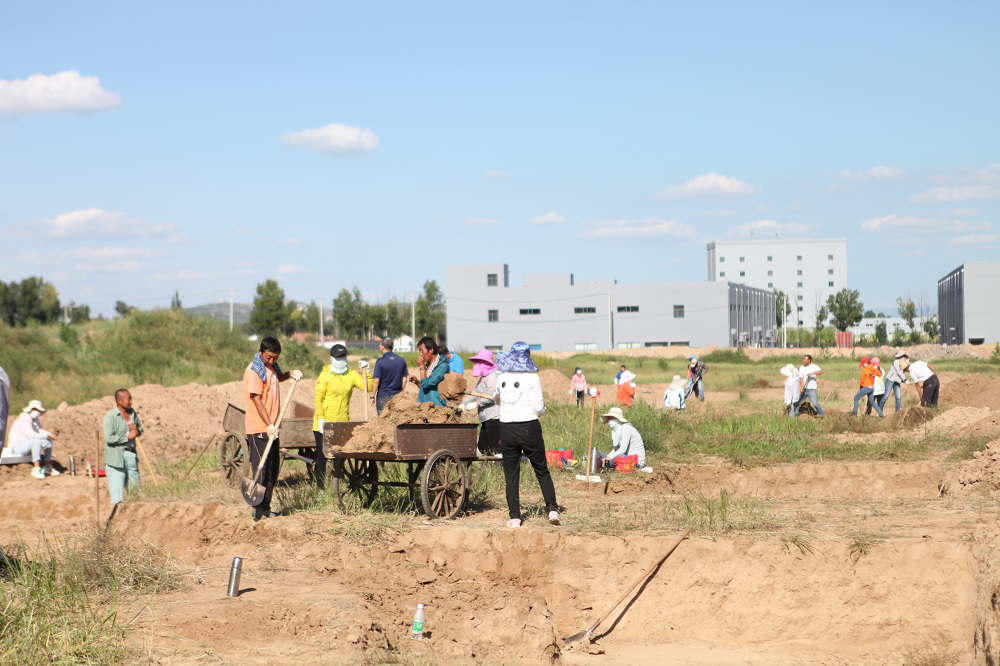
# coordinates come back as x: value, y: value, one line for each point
x: 116, y: 436
x: 429, y: 384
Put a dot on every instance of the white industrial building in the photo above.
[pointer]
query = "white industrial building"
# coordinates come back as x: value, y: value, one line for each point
x: 968, y: 304
x: 555, y: 312
x: 867, y: 326
x: 807, y: 270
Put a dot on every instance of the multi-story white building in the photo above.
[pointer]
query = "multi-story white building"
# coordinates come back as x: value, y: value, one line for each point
x: 807, y: 270
x: 968, y: 306
x: 559, y: 313
x: 867, y: 326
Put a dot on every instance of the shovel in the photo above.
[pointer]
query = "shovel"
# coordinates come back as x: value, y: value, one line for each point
x: 253, y: 489
x: 589, y: 633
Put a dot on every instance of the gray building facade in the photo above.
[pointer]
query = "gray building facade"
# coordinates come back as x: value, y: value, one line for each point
x: 556, y: 312
x: 968, y: 305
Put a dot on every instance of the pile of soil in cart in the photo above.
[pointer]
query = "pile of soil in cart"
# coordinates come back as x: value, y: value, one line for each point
x: 453, y: 386
x: 377, y: 436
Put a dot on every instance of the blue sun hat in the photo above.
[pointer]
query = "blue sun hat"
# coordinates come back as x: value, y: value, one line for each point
x: 517, y: 360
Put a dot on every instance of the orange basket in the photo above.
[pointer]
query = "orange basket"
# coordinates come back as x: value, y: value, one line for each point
x: 626, y: 463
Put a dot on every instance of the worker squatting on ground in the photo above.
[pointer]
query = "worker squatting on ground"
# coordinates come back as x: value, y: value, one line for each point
x: 28, y: 437
x: 263, y: 406
x: 696, y: 377
x: 626, y: 388
x: 808, y: 386
x: 121, y: 427
x: 520, y: 393
x: 793, y: 389
x: 673, y: 397
x: 578, y: 386
x: 389, y: 376
x: 925, y: 380
x: 432, y: 369
x: 485, y: 370
x: 870, y: 370
x: 625, y: 441
x: 332, y: 402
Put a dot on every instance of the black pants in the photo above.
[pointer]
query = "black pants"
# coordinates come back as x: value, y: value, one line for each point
x: 525, y: 438
x: 319, y: 466
x: 580, y: 398
x: 269, y: 475
x: 929, y: 397
x: 489, y: 437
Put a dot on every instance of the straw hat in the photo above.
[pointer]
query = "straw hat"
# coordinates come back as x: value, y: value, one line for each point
x: 789, y: 371
x: 34, y: 404
x: 676, y: 383
x: 614, y: 413
x: 902, y: 353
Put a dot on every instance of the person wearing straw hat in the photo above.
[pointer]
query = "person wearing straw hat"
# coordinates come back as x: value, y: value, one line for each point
x: 626, y: 388
x: 521, y: 403
x: 485, y: 369
x: 625, y: 440
x: 673, y: 397
x: 28, y: 437
x: 869, y: 371
x: 925, y: 380
x: 894, y: 378
x: 793, y: 389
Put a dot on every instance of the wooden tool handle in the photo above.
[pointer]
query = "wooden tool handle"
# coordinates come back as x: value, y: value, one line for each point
x: 270, y: 440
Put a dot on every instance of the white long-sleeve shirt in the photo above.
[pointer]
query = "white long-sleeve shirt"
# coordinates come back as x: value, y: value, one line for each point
x: 26, y: 429
x: 630, y: 444
x: 520, y: 397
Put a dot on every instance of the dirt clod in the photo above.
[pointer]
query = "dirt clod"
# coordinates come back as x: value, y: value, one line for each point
x: 453, y: 386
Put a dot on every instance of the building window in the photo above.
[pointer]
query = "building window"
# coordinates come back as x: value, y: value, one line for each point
x: 800, y: 308
x: 678, y: 312
x: 491, y: 279
x: 801, y: 323
x: 770, y: 285
x: 830, y: 272
x: 799, y: 257
x: 722, y: 260
x: 743, y: 273
x: 799, y: 297
x: 629, y: 345
x: 830, y: 257
x: 800, y: 285
x: 628, y: 308
x: 770, y: 274
x: 531, y: 311
x: 742, y: 259
x: 493, y: 315
x: 770, y: 258
x: 830, y: 284
x: 535, y: 347
x: 584, y: 310
x: 722, y: 273
x: 586, y: 346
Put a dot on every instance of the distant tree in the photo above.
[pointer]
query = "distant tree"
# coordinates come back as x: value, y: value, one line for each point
x: 297, y: 318
x: 845, y: 308
x: 175, y: 302
x: 907, y: 310
x: 780, y: 313
x: 931, y: 328
x: 349, y: 313
x: 270, y: 315
x: 881, y: 333
x: 31, y: 299
x: 431, y: 311
x: 311, y: 318
x: 880, y: 315
x: 123, y: 309
x: 822, y: 313
x: 869, y: 314
x: 397, y: 318
x: 898, y: 339
x: 78, y: 314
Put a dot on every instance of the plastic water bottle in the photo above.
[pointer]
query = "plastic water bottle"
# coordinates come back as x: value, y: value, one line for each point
x: 417, y: 632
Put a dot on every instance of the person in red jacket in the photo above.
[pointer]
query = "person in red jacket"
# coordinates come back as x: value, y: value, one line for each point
x: 869, y: 372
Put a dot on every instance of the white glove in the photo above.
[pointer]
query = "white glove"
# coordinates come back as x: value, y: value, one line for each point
x: 322, y: 424
x: 295, y: 374
x: 272, y: 431
x: 632, y: 384
x: 469, y: 407
x: 363, y: 365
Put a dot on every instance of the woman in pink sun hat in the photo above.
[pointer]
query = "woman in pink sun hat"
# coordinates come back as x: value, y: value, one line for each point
x: 485, y: 370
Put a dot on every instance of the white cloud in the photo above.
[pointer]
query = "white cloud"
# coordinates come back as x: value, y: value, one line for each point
x: 64, y: 91
x: 956, y: 193
x: 188, y: 275
x: 708, y: 185
x: 915, y: 253
x: 769, y: 228
x: 974, y: 239
x: 334, y: 139
x: 98, y: 223
x: 480, y: 222
x: 293, y: 269
x: 877, y: 174
x: 965, y: 212
x: 919, y: 224
x: 500, y: 175
x: 127, y: 266
x: 550, y: 217
x: 646, y: 228
x: 109, y: 253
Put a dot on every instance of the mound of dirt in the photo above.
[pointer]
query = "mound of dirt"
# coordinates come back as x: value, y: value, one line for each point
x: 972, y: 390
x: 453, y: 386
x: 956, y: 420
x: 377, y: 436
x: 981, y: 472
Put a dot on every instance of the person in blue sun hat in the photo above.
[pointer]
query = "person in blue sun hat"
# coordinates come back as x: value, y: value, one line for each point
x: 521, y: 402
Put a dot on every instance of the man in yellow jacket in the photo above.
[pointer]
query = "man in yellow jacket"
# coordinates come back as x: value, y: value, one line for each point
x: 334, y: 386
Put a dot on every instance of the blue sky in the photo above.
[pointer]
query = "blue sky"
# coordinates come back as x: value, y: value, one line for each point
x: 205, y: 147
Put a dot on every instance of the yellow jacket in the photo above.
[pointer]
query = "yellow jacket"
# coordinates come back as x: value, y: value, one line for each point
x: 333, y: 394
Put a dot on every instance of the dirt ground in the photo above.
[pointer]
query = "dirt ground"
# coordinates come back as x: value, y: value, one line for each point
x: 852, y: 563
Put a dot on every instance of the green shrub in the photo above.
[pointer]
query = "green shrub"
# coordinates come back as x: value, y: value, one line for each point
x: 727, y: 356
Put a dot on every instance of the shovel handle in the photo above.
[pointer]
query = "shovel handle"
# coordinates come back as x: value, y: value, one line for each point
x: 270, y: 440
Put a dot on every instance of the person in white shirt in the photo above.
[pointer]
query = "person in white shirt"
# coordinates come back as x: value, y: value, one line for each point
x: 521, y: 402
x: 27, y: 436
x: 793, y: 389
x: 894, y: 378
x: 625, y: 440
x: 924, y: 378
x: 673, y: 397
x: 808, y: 385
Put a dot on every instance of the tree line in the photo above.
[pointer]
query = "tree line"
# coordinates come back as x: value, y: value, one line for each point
x: 35, y: 300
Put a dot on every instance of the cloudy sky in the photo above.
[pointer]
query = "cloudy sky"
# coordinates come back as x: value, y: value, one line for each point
x: 204, y: 147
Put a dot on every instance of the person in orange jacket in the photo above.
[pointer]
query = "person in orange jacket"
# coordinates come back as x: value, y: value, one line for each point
x: 869, y: 371
x: 626, y: 388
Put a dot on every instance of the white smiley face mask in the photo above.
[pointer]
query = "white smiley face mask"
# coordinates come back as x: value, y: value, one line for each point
x: 510, y: 390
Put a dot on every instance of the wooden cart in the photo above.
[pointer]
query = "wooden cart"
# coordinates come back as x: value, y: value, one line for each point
x: 296, y: 439
x: 437, y: 459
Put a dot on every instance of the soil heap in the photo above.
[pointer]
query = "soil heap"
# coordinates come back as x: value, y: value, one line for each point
x: 972, y: 391
x: 981, y: 472
x: 453, y: 386
x: 377, y: 436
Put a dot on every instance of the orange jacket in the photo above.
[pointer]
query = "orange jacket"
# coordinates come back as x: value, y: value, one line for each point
x: 868, y: 375
x: 625, y: 394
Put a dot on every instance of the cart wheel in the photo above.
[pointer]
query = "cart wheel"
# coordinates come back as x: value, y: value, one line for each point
x: 443, y: 488
x: 234, y: 459
x: 355, y: 483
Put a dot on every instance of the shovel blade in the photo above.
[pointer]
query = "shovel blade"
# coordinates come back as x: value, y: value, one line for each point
x: 576, y: 637
x: 253, y: 492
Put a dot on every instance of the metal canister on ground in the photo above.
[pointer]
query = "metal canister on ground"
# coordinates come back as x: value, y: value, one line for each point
x: 72, y: 465
x: 234, y: 577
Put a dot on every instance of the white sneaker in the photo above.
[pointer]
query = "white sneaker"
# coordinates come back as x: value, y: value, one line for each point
x: 52, y: 472
x: 37, y: 473
x: 554, y: 518
x: 514, y: 522
x: 647, y: 469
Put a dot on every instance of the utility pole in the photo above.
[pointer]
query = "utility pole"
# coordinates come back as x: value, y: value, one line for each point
x: 321, y: 338
x: 784, y: 322
x: 413, y: 317
x: 230, y: 310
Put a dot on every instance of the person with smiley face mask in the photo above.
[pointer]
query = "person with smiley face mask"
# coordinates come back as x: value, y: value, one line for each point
x: 520, y: 394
